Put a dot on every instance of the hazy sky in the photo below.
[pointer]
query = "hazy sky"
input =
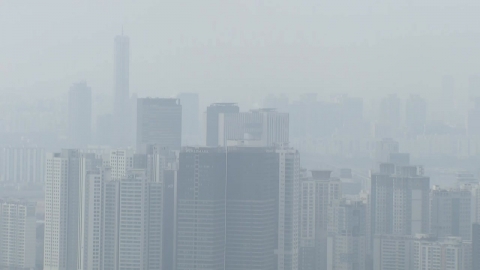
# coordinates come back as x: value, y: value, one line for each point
x: 236, y: 50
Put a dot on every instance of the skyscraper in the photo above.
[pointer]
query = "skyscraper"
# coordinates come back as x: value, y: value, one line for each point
x: 190, y: 118
x: 159, y: 122
x: 17, y: 234
x: 399, y: 201
x: 212, y: 125
x: 121, y: 107
x: 200, y: 242
x: 318, y: 193
x: 238, y: 209
x: 389, y: 115
x: 79, y: 115
x: 347, y: 236
x: 63, y: 175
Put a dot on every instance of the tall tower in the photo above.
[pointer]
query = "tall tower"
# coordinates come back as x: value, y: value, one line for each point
x: 121, y: 106
x: 79, y: 115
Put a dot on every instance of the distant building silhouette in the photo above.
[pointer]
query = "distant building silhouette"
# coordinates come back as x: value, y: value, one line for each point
x: 79, y: 115
x: 212, y: 125
x: 159, y: 122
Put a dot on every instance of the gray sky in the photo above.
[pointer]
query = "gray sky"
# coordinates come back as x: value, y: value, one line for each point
x: 240, y: 50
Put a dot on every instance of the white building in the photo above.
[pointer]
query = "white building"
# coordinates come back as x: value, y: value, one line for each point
x: 317, y: 194
x: 64, y: 172
x: 449, y: 253
x: 120, y: 161
x: 17, y: 235
x: 392, y: 252
x: 22, y: 164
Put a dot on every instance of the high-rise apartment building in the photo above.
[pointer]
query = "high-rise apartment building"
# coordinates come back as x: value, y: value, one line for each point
x: 392, y: 252
x: 79, y: 115
x: 22, y: 164
x: 232, y: 218
x: 450, y: 213
x: 121, y: 219
x: 347, y: 236
x: 317, y: 194
x: 190, y: 118
x: 122, y: 111
x: 120, y: 162
x: 63, y: 175
x: 439, y: 254
x: 212, y: 122
x: 399, y: 201
x: 266, y: 126
x: 17, y: 235
x: 159, y: 122
x: 384, y: 148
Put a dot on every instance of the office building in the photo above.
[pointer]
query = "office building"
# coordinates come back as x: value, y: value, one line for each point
x: 17, y: 235
x: 230, y: 217
x: 22, y: 164
x: 266, y: 126
x: 190, y: 118
x: 450, y: 213
x: 121, y: 107
x: 79, y: 115
x: 200, y: 242
x: 415, y: 115
x: 317, y: 194
x: 347, y: 236
x: 159, y: 122
x: 212, y: 125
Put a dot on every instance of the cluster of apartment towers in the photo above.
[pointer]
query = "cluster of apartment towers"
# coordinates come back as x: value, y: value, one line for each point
x: 241, y: 202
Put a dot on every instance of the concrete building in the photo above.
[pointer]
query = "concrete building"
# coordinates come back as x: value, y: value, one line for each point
x: 79, y: 115
x: 212, y: 122
x: 392, y: 252
x: 399, y: 201
x: 190, y: 118
x: 347, y: 236
x: 384, y: 148
x: 120, y: 161
x: 317, y: 194
x: 63, y: 175
x: 264, y: 125
x: 450, y: 213
x: 230, y: 217
x: 22, y: 164
x: 441, y: 254
x: 475, y: 246
x: 17, y: 235
x: 159, y: 122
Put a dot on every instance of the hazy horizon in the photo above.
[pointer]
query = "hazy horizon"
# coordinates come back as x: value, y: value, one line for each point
x: 233, y: 50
